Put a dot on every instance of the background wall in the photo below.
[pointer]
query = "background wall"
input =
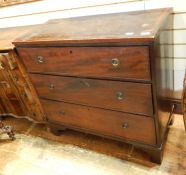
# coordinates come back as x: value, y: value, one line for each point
x: 42, y: 11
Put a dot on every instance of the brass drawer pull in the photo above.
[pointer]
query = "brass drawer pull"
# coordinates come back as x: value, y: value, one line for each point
x: 61, y: 112
x: 115, y: 62
x: 12, y: 65
x: 40, y: 59
x: 1, y: 66
x: 125, y: 125
x: 24, y: 95
x: 51, y: 86
x: 15, y: 78
x: 119, y: 95
x: 84, y: 82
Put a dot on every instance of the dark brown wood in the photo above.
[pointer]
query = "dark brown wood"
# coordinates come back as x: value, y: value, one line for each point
x: 131, y: 27
x: 131, y: 62
x: 156, y: 155
x: 10, y: 102
x: 177, y: 104
x: 56, y: 129
x: 18, y: 96
x: 81, y: 85
x: 116, y: 124
x: 98, y: 93
x: 2, y: 107
x: 17, y: 93
x: 26, y: 91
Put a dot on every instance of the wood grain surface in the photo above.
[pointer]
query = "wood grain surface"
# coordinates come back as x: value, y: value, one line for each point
x: 135, y: 97
x: 132, y: 62
x: 128, y: 27
x: 102, y: 88
x: 17, y: 92
x: 102, y: 121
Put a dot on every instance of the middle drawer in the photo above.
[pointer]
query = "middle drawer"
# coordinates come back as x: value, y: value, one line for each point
x: 121, y: 96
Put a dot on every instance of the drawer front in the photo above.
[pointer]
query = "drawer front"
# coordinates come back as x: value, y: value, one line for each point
x: 121, y: 96
x: 106, y: 122
x: 106, y: 62
x: 16, y: 89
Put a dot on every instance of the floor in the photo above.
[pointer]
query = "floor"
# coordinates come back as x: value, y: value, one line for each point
x: 38, y: 152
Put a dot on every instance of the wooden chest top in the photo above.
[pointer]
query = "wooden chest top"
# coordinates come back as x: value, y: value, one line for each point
x: 130, y: 27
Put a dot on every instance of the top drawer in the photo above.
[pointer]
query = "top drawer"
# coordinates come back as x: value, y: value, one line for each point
x: 103, y: 62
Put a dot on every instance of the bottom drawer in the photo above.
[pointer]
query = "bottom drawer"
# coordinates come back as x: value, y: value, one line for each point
x: 105, y: 122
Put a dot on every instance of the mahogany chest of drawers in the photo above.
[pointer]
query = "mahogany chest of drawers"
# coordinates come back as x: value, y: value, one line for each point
x: 104, y: 75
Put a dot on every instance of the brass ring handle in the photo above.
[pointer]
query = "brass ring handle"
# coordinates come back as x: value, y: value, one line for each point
x: 51, y: 86
x: 40, y: 59
x: 84, y: 82
x: 119, y: 95
x: 61, y: 112
x: 115, y: 62
x: 10, y: 59
x: 125, y: 125
x: 15, y: 78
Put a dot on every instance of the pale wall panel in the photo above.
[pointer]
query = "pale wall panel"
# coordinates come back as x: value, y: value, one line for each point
x: 180, y: 37
x: 180, y: 64
x: 43, y: 17
x: 178, y: 5
x: 180, y: 51
x: 153, y: 4
x: 113, y: 8
x: 53, y: 5
x: 32, y: 19
x: 180, y: 21
x: 178, y: 82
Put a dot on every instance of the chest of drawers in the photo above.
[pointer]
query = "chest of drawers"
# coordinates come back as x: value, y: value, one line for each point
x: 104, y: 75
x: 17, y: 94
